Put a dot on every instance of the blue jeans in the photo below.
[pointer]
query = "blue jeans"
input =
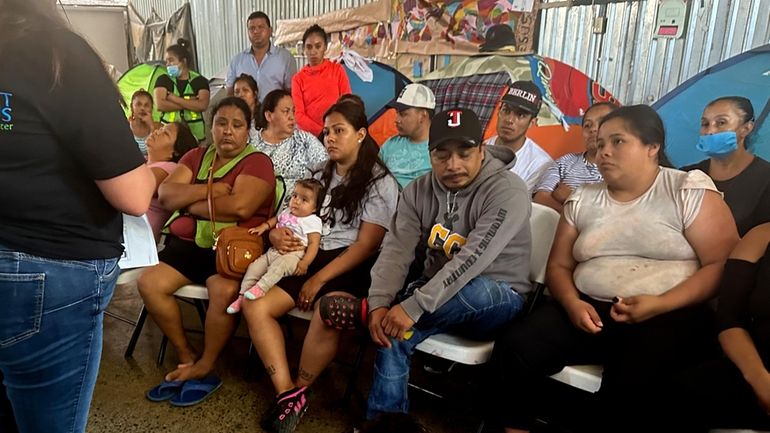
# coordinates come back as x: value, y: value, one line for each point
x: 51, y: 337
x: 481, y: 307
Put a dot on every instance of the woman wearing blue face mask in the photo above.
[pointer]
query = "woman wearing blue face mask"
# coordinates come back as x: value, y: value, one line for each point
x: 183, y: 93
x: 742, y: 177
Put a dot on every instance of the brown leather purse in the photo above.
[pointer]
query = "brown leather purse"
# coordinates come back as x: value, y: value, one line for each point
x: 235, y: 247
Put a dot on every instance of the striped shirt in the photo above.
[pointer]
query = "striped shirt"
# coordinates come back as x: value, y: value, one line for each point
x: 142, y: 143
x: 572, y: 169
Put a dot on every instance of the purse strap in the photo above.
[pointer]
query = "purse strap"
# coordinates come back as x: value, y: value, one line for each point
x: 210, y: 200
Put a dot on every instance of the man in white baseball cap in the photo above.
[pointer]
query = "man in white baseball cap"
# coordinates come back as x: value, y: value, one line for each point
x: 406, y: 154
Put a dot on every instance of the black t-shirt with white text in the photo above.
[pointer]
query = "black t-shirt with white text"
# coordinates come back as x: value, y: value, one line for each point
x: 56, y: 140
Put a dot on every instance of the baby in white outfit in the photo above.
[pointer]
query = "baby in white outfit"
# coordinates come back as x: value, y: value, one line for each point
x: 269, y: 268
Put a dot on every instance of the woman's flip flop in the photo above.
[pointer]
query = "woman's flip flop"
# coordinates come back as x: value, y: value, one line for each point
x: 167, y: 390
x: 195, y: 391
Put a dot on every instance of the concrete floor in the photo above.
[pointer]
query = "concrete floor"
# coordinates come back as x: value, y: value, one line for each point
x: 120, y: 406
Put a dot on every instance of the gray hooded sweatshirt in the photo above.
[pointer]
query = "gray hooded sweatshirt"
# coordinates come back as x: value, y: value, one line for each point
x: 480, y: 230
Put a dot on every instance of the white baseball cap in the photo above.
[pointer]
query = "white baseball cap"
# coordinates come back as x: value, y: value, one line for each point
x: 415, y: 96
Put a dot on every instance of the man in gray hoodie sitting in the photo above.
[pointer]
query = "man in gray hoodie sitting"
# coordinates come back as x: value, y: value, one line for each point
x: 473, y: 214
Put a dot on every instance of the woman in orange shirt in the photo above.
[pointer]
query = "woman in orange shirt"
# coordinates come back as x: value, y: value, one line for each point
x: 319, y: 84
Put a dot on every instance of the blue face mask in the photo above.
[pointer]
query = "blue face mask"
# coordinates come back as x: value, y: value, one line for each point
x: 173, y: 71
x: 718, y: 145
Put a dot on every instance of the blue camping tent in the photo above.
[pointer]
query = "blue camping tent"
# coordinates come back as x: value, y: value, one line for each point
x: 384, y: 87
x: 746, y: 74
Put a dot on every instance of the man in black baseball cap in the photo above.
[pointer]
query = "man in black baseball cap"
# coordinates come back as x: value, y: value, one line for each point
x: 466, y: 213
x: 456, y: 133
x: 518, y: 112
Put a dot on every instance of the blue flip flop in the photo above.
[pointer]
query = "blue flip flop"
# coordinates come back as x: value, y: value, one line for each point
x: 167, y: 390
x: 195, y: 391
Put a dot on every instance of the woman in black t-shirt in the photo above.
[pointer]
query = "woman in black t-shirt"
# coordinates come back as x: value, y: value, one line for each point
x: 183, y: 93
x: 67, y: 176
x: 743, y: 177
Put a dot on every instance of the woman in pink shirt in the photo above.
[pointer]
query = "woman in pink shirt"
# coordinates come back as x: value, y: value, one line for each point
x: 165, y: 146
x: 319, y: 84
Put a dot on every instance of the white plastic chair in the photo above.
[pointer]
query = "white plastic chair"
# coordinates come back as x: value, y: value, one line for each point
x: 543, y: 222
x: 127, y: 276
x: 585, y: 377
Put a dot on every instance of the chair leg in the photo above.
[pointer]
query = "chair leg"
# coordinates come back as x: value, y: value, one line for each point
x: 137, y: 330
x: 353, y: 375
x: 201, y: 307
x: 162, y: 351
x: 480, y: 429
x: 252, y: 361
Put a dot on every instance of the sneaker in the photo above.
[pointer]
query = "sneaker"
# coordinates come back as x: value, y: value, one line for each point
x: 286, y: 411
x: 235, y: 307
x: 254, y: 293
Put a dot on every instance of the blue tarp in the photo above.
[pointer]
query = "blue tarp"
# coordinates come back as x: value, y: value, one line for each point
x: 746, y: 75
x: 385, y: 87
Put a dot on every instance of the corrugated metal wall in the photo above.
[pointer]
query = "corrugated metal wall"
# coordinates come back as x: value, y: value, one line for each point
x: 220, y: 25
x: 639, y: 69
x: 626, y: 59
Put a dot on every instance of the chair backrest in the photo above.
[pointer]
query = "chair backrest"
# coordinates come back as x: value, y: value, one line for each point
x: 542, y: 222
x: 280, y: 193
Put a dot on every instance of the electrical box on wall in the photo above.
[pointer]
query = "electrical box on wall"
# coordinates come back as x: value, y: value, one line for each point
x: 671, y: 19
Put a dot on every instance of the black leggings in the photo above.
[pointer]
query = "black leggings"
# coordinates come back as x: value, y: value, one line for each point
x: 636, y: 359
x: 355, y: 281
x: 715, y: 395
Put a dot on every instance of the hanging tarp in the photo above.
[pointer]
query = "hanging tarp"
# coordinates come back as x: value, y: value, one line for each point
x: 158, y: 34
x: 291, y: 31
x: 462, y: 26
x: 746, y: 75
x: 386, y: 28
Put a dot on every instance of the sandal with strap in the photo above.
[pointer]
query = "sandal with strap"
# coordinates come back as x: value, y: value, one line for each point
x: 343, y: 313
x: 195, y: 391
x: 167, y: 390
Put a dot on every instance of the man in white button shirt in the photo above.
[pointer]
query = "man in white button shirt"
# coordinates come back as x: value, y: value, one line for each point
x: 518, y: 111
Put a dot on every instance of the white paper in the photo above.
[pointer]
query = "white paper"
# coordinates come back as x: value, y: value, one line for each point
x: 517, y: 5
x: 138, y: 243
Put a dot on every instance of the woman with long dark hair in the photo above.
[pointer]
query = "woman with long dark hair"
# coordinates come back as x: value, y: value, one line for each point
x: 67, y: 175
x: 360, y: 198
x: 165, y: 146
